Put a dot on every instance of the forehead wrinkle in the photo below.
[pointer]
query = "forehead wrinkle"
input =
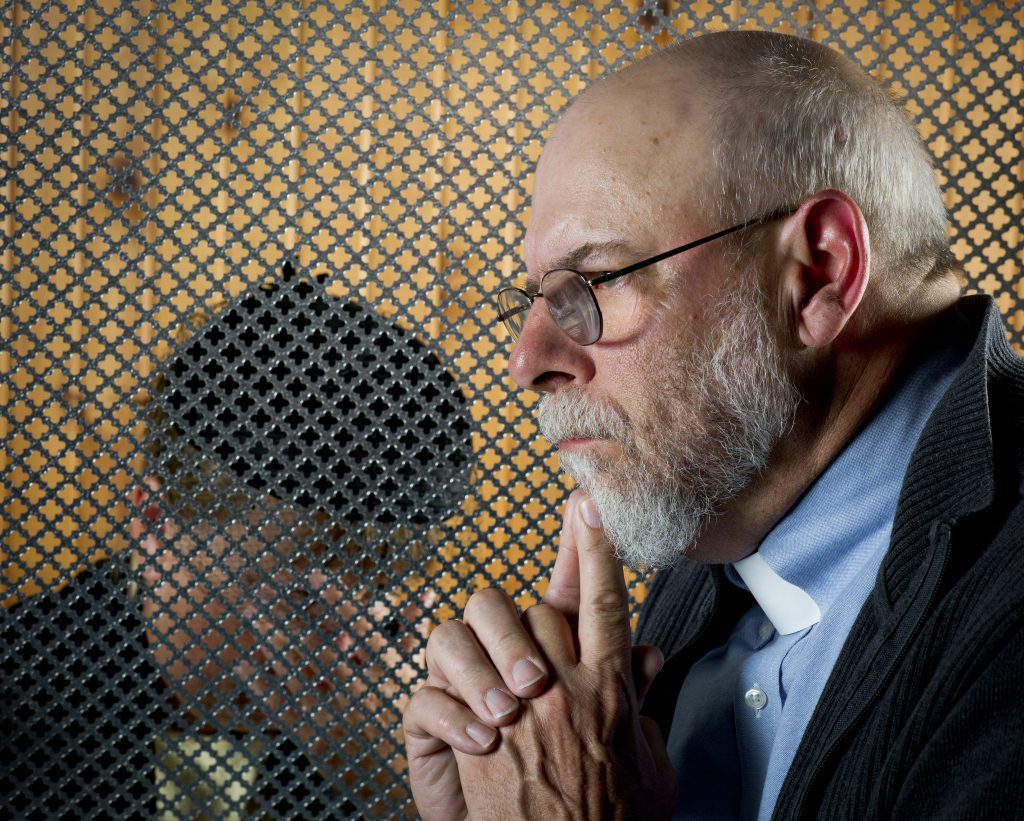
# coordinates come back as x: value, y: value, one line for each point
x: 576, y: 258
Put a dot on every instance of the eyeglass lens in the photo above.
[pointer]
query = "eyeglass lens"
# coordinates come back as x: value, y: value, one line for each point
x: 572, y: 306
x: 570, y: 302
x: 513, y: 305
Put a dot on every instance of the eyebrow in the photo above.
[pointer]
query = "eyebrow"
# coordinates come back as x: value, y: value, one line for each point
x: 574, y: 258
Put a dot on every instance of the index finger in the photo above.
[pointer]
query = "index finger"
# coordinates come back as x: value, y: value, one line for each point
x: 563, y: 591
x: 605, y: 640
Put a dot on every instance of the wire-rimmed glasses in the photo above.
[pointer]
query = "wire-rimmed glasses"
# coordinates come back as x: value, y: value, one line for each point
x: 572, y: 300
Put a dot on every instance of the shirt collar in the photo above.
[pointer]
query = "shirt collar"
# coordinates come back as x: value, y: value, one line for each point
x: 788, y: 607
x: 845, y: 518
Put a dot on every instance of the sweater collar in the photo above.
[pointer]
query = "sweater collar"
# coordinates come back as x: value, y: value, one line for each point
x: 951, y: 473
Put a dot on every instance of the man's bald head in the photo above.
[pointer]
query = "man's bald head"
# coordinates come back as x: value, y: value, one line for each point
x: 648, y: 121
x: 743, y: 123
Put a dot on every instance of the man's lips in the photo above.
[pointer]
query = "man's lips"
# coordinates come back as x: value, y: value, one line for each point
x: 574, y: 442
x: 580, y: 442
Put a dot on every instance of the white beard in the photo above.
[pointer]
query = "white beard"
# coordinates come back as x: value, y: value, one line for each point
x: 710, y: 425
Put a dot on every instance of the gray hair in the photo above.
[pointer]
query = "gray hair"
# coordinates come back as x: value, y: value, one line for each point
x: 791, y: 117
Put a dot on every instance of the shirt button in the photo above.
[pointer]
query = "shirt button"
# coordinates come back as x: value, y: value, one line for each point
x: 756, y: 698
x: 765, y: 630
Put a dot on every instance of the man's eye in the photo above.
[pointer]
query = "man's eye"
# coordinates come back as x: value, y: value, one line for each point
x: 611, y: 285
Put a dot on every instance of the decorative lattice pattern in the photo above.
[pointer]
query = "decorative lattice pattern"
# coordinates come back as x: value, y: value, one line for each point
x: 235, y: 500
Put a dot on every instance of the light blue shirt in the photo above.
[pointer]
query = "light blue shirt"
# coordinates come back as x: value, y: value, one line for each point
x: 743, y: 708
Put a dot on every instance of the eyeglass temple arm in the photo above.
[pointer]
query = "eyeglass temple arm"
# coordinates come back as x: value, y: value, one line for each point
x: 599, y: 280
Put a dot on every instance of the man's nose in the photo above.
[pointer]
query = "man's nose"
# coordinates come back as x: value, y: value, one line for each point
x: 544, y: 358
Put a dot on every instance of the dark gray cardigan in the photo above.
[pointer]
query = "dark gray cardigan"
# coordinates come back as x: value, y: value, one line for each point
x: 923, y: 714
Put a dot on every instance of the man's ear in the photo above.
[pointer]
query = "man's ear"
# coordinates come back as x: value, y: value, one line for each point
x: 827, y: 237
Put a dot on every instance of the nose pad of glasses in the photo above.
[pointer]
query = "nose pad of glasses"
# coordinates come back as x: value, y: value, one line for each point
x: 572, y: 305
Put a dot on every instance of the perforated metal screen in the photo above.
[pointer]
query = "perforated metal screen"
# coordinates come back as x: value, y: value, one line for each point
x: 255, y: 431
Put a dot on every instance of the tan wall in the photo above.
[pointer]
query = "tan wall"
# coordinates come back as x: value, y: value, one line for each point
x: 160, y: 158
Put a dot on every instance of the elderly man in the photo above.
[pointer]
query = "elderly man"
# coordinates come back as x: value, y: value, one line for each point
x: 747, y: 327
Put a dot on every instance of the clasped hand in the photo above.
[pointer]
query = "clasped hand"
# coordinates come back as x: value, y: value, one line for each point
x: 538, y: 715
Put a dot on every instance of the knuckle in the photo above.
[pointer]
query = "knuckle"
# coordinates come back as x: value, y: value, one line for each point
x: 447, y: 632
x: 559, y: 702
x: 445, y: 724
x: 417, y: 706
x: 608, y: 603
x: 538, y: 615
x: 540, y: 611
x: 431, y: 714
x: 486, y: 600
x: 512, y: 641
x: 445, y: 716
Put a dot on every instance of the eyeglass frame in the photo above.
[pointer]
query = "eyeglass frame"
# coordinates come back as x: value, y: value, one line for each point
x: 608, y: 276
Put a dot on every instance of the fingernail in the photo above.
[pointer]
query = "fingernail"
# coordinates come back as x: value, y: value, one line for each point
x: 525, y: 673
x: 591, y: 515
x: 500, y: 704
x: 482, y: 735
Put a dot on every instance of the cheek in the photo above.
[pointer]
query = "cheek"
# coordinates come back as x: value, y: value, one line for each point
x: 659, y: 355
x: 646, y: 388
x: 679, y: 320
x: 646, y: 376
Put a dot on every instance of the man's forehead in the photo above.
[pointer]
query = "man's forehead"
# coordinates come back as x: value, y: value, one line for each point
x: 611, y: 173
x: 620, y: 121
x: 580, y: 248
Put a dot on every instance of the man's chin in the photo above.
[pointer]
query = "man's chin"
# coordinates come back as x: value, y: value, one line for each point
x: 649, y: 531
x: 588, y: 473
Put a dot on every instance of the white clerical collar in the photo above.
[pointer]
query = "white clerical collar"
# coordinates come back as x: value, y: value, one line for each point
x: 788, y: 607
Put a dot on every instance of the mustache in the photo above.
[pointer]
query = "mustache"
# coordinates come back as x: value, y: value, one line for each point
x: 570, y: 414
